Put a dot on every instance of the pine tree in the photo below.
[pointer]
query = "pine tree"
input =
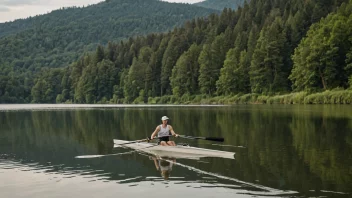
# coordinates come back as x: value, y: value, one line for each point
x: 176, y: 46
x: 267, y: 72
x: 226, y: 83
x: 99, y: 54
x: 185, y: 73
x: 205, y: 71
x: 107, y: 73
x: 135, y: 80
x: 211, y: 60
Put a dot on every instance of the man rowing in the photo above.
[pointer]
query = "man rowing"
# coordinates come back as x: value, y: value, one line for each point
x: 163, y: 131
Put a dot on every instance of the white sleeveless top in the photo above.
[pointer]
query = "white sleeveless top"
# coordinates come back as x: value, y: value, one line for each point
x: 165, y: 168
x: 164, y: 131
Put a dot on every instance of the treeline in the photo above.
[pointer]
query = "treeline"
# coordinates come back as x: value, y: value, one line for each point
x: 260, y: 49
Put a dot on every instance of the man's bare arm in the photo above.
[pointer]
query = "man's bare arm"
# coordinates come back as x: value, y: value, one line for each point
x: 155, y: 132
x: 173, y: 132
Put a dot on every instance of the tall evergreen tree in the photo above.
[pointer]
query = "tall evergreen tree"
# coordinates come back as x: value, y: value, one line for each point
x: 86, y: 90
x: 185, y: 74
x: 211, y: 60
x: 176, y: 46
x: 227, y: 81
x: 107, y: 73
x: 135, y: 80
x: 267, y: 72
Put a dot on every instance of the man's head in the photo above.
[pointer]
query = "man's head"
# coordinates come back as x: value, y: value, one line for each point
x: 164, y: 119
x: 165, y: 174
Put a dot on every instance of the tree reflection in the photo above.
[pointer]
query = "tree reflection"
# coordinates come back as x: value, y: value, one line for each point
x: 301, y: 148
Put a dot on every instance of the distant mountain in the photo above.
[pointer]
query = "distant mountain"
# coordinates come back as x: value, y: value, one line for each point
x: 220, y: 4
x: 58, y: 38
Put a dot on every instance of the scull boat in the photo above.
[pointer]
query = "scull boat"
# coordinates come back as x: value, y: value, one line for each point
x: 178, y: 151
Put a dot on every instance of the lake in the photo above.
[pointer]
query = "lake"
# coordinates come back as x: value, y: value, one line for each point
x: 281, y: 151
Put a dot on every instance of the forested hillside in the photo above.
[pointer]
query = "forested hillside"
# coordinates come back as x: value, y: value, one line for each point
x: 60, y: 37
x: 220, y: 4
x: 264, y: 47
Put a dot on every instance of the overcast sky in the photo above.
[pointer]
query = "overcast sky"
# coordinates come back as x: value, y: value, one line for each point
x: 15, y: 9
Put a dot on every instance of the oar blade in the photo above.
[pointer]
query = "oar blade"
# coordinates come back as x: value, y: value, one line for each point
x: 216, y: 139
x: 88, y: 156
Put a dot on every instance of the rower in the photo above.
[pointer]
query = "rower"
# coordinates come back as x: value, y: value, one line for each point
x: 163, y: 131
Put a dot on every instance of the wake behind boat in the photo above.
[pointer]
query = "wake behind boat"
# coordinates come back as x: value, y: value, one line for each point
x: 178, y: 151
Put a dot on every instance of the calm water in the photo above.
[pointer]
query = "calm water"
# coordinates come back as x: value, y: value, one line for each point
x: 281, y: 151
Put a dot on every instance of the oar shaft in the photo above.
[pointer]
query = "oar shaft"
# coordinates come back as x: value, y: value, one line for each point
x: 143, y: 140
x: 216, y: 139
x: 137, y: 141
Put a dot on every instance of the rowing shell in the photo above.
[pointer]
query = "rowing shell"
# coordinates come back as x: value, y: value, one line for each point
x: 175, y: 151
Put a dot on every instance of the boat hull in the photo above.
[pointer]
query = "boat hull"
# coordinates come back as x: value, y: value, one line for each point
x: 175, y: 151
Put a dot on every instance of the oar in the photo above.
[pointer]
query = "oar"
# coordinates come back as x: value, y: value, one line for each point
x: 95, y: 156
x: 136, y: 141
x: 216, y: 139
x: 142, y: 140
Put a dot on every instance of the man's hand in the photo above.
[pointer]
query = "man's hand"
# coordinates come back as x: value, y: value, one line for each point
x: 176, y: 135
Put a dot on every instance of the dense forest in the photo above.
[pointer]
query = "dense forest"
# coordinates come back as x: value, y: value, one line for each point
x: 59, y: 38
x: 264, y: 47
x: 220, y: 4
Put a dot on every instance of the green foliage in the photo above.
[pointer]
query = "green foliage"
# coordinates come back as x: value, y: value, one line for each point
x: 245, y: 98
x: 227, y: 80
x: 234, y: 75
x: 59, y: 38
x: 184, y: 78
x: 220, y: 4
x: 330, y: 97
x: 139, y: 76
x: 141, y: 98
x: 267, y: 72
x: 242, y: 56
x: 319, y: 60
x: 176, y: 46
x: 205, y: 70
x: 47, y: 86
x: 134, y: 82
x: 211, y: 60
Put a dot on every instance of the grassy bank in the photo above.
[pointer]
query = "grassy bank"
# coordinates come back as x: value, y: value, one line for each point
x: 326, y: 97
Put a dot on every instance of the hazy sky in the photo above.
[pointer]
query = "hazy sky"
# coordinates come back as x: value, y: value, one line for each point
x: 15, y: 9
